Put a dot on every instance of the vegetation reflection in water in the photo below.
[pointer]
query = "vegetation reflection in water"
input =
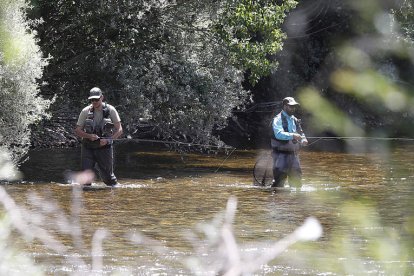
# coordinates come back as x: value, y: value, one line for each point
x: 168, y: 219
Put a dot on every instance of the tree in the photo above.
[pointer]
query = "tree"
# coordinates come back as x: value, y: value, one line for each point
x: 365, y: 87
x: 404, y: 16
x: 21, y: 65
x: 252, y: 30
x: 160, y: 60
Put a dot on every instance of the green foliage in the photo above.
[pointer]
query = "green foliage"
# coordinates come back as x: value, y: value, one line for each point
x: 370, y: 72
x: 328, y: 117
x: 160, y: 61
x: 404, y: 16
x: 21, y: 65
x: 186, y: 85
x: 169, y: 62
x: 253, y: 32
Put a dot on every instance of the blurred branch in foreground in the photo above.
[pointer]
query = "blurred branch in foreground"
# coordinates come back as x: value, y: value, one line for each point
x: 215, y: 250
x: 228, y: 258
x: 8, y: 171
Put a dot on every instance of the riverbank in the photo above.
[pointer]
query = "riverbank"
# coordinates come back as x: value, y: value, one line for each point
x: 56, y: 132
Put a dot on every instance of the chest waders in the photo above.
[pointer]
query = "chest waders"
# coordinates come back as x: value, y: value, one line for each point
x: 95, y: 154
x: 285, y: 160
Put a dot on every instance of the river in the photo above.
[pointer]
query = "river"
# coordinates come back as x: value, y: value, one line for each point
x: 165, y: 218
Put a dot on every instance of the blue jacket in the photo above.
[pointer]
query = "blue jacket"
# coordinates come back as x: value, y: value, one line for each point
x: 277, y: 125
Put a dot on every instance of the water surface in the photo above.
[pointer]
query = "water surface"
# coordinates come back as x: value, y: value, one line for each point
x: 167, y: 195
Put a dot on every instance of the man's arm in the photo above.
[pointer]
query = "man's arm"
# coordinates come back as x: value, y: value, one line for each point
x: 278, y: 130
x: 281, y: 134
x: 118, y: 130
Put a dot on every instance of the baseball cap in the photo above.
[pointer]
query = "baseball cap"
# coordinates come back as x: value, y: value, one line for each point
x: 95, y: 93
x: 289, y: 101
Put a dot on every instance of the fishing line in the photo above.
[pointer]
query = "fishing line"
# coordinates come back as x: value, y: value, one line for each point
x: 224, y: 160
x: 361, y: 137
x: 190, y: 145
x: 263, y: 160
x: 175, y: 143
x: 309, y: 144
x: 185, y: 144
x: 318, y: 138
x: 324, y: 7
x: 315, y: 32
x: 262, y: 170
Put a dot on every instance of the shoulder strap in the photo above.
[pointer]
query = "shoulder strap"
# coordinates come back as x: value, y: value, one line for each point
x: 284, y: 122
x: 296, y: 121
x: 105, y: 111
x: 90, y: 113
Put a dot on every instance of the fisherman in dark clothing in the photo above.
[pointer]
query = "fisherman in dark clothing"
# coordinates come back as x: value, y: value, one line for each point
x: 98, y: 125
x: 286, y: 141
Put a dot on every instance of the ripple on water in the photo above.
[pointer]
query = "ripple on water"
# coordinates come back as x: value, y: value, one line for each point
x: 164, y: 198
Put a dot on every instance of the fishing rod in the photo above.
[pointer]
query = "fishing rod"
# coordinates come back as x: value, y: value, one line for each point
x: 189, y: 144
x: 360, y: 137
x: 180, y: 143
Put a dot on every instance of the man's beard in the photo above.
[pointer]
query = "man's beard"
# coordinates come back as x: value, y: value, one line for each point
x: 290, y: 113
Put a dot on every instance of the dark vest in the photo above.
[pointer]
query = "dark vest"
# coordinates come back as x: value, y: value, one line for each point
x: 104, y: 129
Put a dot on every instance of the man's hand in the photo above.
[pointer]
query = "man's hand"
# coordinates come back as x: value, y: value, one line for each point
x: 297, y: 137
x: 304, y: 142
x: 104, y: 142
x: 93, y: 137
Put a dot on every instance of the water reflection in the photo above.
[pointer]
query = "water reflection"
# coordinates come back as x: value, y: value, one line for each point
x: 166, y: 195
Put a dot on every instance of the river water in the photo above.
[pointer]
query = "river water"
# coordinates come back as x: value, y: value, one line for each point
x: 165, y: 220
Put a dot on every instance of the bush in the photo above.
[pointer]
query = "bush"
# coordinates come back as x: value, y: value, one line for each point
x: 21, y: 65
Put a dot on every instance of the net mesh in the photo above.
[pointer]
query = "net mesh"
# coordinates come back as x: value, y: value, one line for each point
x: 262, y: 172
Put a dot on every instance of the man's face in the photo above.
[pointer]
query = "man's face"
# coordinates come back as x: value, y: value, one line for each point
x: 96, y: 102
x: 290, y: 109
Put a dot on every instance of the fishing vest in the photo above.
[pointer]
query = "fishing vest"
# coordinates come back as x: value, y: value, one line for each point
x: 285, y: 145
x: 104, y: 129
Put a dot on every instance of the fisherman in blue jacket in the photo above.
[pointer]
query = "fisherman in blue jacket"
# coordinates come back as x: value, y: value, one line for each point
x: 286, y: 141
